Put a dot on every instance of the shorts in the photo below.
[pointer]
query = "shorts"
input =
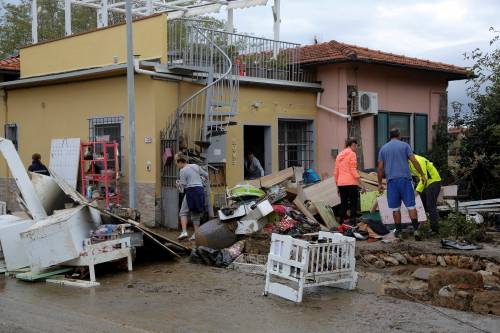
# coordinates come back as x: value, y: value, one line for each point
x: 195, y: 217
x: 400, y: 189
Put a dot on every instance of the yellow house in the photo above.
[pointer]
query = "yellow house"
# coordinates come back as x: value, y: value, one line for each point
x: 197, y: 89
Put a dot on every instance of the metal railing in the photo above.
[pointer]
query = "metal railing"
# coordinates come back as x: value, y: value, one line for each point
x: 253, y: 57
x: 207, y: 112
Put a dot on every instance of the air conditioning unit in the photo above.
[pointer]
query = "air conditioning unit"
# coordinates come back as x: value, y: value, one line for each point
x: 366, y: 103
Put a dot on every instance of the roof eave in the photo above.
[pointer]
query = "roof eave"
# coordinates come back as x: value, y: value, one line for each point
x: 451, y: 75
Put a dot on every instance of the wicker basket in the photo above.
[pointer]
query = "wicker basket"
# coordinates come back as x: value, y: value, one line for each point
x: 250, y: 263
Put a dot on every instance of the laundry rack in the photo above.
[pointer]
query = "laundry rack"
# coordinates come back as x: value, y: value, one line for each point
x: 295, y: 264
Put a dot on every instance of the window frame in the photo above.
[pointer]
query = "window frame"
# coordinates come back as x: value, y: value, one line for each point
x: 110, y: 120
x: 412, y: 117
x: 310, y: 128
x: 7, y: 135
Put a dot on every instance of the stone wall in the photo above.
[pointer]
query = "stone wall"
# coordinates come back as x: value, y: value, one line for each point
x: 146, y: 202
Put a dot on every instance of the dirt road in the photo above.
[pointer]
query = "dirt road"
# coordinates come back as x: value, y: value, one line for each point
x: 182, y: 297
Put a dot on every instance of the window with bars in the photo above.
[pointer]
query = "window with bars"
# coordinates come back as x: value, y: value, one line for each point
x: 108, y: 129
x: 295, y: 143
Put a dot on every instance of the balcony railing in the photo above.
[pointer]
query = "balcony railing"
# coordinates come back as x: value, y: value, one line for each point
x: 252, y: 57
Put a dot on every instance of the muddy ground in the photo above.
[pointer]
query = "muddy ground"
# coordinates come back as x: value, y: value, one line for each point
x: 183, y: 297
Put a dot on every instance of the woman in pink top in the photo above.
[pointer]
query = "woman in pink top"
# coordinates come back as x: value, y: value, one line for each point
x: 347, y: 179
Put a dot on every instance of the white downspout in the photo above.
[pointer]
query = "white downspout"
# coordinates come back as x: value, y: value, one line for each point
x: 335, y: 112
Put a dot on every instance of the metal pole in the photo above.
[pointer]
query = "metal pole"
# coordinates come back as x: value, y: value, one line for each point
x: 34, y: 22
x: 67, y: 17
x: 230, y: 21
x: 131, y: 107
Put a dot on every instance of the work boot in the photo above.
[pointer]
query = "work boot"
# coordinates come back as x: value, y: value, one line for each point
x: 418, y: 235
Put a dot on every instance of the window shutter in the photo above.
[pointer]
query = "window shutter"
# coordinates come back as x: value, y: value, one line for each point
x: 421, y: 133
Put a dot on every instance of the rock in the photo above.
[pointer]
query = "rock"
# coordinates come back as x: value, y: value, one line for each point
x: 432, y: 260
x: 448, y: 261
x: 370, y: 258
x: 379, y: 264
x: 493, y: 268
x: 464, y: 262
x: 448, y: 296
x: 412, y: 260
x: 446, y: 291
x: 454, y: 260
x: 422, y: 273
x: 400, y: 258
x: 441, y: 261
x: 487, y: 302
x: 390, y: 260
x: 422, y: 259
x: 476, y: 265
x: 444, y: 277
x: 490, y: 280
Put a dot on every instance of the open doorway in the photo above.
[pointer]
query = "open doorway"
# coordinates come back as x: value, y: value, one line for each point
x: 257, y: 138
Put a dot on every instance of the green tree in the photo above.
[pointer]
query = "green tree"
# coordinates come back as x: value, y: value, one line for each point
x: 479, y: 153
x: 15, y: 23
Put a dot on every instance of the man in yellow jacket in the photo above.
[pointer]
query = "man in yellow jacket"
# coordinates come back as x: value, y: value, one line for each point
x: 429, y: 189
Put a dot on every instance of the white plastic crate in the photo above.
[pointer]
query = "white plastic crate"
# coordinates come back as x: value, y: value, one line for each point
x: 328, y: 262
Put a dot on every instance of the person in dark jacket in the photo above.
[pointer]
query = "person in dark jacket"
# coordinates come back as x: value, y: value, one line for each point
x: 37, y: 165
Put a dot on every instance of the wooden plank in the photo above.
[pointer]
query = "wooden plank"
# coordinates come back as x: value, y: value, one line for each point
x: 253, y: 182
x: 30, y: 276
x: 372, y: 177
x: 479, y: 202
x: 369, y: 186
x: 325, y: 191
x: 304, y: 210
x: 326, y: 214
x: 386, y: 213
x: 276, y: 178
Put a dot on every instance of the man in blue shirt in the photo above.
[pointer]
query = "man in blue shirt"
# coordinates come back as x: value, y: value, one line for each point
x: 393, y: 162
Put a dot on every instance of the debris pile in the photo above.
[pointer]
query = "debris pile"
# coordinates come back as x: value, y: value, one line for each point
x: 60, y: 231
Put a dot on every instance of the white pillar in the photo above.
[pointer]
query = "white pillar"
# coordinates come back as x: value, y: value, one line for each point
x: 276, y: 25
x: 67, y: 17
x: 149, y: 7
x: 34, y: 22
x: 277, y: 19
x: 230, y: 21
x: 102, y: 14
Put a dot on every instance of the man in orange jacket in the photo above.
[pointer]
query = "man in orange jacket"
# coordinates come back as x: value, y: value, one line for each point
x: 347, y: 179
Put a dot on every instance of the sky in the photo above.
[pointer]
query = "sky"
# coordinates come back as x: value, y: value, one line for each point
x: 439, y: 30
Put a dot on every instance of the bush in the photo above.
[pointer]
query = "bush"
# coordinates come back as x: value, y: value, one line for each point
x: 457, y: 226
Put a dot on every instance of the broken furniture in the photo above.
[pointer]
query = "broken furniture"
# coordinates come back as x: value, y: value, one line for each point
x: 330, y: 261
x: 14, y: 255
x: 58, y: 238
x: 100, y: 171
x: 102, y: 252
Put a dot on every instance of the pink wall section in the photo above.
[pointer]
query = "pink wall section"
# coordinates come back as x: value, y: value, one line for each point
x: 399, y: 90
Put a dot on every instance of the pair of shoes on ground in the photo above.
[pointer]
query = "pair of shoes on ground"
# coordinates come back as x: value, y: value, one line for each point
x: 417, y: 234
x: 185, y: 235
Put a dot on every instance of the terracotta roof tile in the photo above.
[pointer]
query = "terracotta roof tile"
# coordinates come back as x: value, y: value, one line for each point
x: 334, y: 51
x: 10, y: 64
